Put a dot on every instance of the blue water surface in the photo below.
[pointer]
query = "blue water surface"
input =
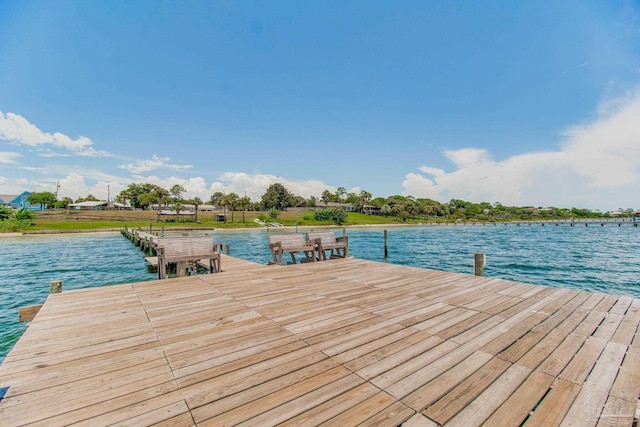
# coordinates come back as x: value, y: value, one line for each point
x: 593, y: 258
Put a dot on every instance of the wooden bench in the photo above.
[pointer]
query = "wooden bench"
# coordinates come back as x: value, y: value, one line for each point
x: 187, y: 252
x: 279, y: 244
x: 339, y: 246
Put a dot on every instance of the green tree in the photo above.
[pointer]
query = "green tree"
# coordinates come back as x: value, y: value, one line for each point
x: 176, y: 191
x: 215, y: 198
x: 351, y: 198
x: 45, y: 199
x: 5, y: 212
x: 326, y: 197
x: 134, y: 192
x: 363, y: 199
x: 245, y: 203
x: 64, y: 202
x: 340, y: 192
x: 89, y: 198
x: 232, y: 199
x: 277, y: 196
x: 145, y: 200
x: 224, y: 202
x: 311, y: 202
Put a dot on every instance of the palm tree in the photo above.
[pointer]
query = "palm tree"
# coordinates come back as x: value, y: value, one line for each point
x: 233, y: 201
x: 224, y: 202
x: 244, y: 202
x: 363, y: 198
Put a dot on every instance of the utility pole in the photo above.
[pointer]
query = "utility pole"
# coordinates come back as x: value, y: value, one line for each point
x: 108, y: 197
x: 57, y: 188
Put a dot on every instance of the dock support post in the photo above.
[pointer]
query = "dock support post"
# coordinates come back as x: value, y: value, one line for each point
x: 478, y: 263
x: 346, y: 249
x: 55, y: 286
x: 226, y: 249
x: 386, y: 251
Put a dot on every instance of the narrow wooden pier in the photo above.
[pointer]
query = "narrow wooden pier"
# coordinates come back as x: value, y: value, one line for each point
x: 343, y: 342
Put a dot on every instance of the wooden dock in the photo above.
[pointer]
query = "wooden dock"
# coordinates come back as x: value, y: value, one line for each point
x: 342, y: 342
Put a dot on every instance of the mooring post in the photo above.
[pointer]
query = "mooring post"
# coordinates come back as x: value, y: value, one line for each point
x: 478, y: 263
x: 346, y: 249
x: 386, y: 251
x: 55, y: 286
x: 226, y: 249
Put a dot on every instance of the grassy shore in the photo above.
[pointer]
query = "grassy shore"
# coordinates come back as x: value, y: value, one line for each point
x: 63, y: 221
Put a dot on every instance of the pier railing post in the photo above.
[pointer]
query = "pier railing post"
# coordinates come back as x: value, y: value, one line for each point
x: 55, y: 286
x: 478, y: 263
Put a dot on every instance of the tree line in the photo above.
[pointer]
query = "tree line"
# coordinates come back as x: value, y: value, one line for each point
x: 278, y: 197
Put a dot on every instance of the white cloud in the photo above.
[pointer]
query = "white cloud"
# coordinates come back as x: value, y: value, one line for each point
x: 153, y: 163
x: 597, y: 165
x: 17, y: 129
x: 9, y: 156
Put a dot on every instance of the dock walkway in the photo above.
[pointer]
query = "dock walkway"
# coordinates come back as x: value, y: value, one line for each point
x: 342, y: 342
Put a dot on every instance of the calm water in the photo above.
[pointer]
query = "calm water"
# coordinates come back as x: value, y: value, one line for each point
x: 598, y: 259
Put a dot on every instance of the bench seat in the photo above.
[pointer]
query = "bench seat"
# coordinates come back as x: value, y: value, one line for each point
x: 188, y: 252
x: 339, y: 246
x: 279, y: 244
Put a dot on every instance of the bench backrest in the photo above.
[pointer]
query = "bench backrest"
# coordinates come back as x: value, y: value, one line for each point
x: 288, y: 240
x: 184, y: 246
x: 327, y: 238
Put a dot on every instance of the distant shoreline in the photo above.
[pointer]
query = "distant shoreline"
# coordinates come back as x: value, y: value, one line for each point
x: 287, y: 228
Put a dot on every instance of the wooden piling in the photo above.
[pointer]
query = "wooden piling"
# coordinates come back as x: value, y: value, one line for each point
x: 386, y: 251
x: 478, y: 263
x: 55, y: 287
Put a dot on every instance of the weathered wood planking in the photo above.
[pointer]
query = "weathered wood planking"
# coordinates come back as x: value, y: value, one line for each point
x: 344, y: 342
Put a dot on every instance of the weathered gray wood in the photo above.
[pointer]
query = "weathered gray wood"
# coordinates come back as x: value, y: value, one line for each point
x: 281, y: 244
x: 478, y: 264
x: 339, y: 246
x: 26, y: 314
x: 187, y: 252
x: 324, y: 343
x: 55, y: 287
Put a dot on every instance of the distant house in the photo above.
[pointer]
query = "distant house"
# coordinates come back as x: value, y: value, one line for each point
x: 19, y: 201
x: 121, y: 206
x: 348, y: 207
x: 372, y: 210
x: 533, y: 211
x: 89, y: 205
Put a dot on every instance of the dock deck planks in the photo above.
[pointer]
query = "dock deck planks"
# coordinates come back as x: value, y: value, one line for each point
x: 342, y: 342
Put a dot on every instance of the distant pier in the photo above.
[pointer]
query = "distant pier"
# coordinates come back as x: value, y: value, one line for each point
x: 550, y: 222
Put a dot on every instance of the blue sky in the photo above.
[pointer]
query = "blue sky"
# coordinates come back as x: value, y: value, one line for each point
x: 525, y: 103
